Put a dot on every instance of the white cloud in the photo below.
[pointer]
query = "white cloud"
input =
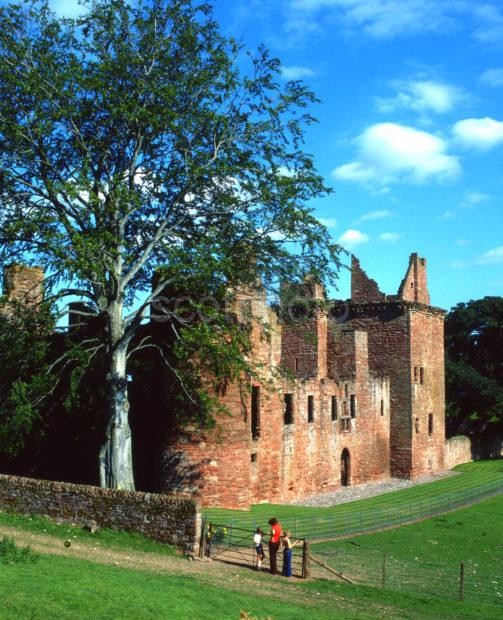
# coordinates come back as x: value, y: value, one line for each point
x: 492, y: 257
x: 422, y: 96
x: 471, y: 199
x: 387, y: 18
x: 389, y: 237
x: 375, y: 215
x: 329, y: 222
x: 490, y: 29
x: 478, y: 133
x: 352, y: 238
x: 294, y: 72
x: 493, y: 77
x: 463, y: 243
x: 447, y: 215
x: 395, y: 153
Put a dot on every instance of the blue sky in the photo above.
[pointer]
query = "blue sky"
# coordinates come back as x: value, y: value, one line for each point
x: 411, y: 128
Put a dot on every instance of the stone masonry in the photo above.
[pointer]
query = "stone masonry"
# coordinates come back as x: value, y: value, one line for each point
x: 362, y: 399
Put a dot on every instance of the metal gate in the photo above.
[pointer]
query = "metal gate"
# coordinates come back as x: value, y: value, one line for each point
x: 234, y: 545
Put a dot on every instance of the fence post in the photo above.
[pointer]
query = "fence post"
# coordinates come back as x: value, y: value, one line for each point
x: 361, y: 523
x: 421, y: 507
x: 462, y: 582
x: 332, y: 525
x: 305, y: 560
x: 383, y: 576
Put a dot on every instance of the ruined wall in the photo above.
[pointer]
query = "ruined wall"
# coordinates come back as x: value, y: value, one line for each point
x: 173, y: 520
x: 363, y: 288
x: 458, y: 450
x: 428, y: 390
x: 23, y: 284
x: 387, y: 327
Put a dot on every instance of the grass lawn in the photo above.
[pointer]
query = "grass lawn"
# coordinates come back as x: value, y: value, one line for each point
x: 106, y: 538
x: 431, y: 553
x: 67, y: 588
x: 313, y: 522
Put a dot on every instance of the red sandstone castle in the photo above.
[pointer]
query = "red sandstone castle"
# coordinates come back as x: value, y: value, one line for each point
x: 364, y: 398
x: 364, y: 401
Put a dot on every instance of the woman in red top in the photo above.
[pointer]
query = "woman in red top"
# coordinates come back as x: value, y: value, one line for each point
x: 274, y: 544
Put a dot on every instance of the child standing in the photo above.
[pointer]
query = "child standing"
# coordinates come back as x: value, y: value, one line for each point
x: 288, y: 545
x: 257, y: 541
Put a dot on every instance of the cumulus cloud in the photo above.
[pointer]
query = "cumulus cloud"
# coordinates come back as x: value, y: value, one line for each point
x: 492, y: 257
x: 352, y: 238
x: 422, y: 96
x: 392, y: 153
x: 493, y: 77
x: 478, y: 133
x: 375, y: 215
x: 295, y: 72
x: 389, y: 237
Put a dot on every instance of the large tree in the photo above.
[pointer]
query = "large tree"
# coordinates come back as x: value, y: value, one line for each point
x: 138, y: 144
x: 474, y: 364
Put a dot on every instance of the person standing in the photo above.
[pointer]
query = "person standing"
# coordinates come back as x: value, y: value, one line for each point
x: 274, y: 544
x: 288, y: 545
x: 259, y: 548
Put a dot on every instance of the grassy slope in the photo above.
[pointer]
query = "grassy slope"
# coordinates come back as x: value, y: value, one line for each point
x: 67, y: 588
x: 106, y: 538
x: 470, y: 476
x: 472, y: 535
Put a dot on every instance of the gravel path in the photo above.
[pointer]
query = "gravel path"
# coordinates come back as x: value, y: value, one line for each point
x: 345, y: 495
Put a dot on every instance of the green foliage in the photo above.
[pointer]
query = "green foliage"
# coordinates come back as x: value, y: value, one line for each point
x: 474, y: 365
x: 10, y: 553
x: 24, y: 377
x: 139, y: 143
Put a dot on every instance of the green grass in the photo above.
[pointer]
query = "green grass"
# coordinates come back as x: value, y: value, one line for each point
x: 392, y: 507
x: 67, y: 588
x: 430, y: 553
x: 106, y: 538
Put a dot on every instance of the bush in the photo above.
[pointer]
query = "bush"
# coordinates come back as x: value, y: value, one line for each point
x: 10, y: 553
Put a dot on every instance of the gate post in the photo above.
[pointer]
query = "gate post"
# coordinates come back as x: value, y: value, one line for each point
x: 202, y: 540
x: 305, y: 560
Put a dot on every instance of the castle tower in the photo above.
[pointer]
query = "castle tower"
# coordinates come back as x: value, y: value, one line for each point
x: 405, y: 343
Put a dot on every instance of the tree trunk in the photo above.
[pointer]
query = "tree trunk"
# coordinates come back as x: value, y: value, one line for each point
x: 116, y: 454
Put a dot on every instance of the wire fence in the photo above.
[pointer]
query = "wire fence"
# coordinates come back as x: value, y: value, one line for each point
x: 464, y: 581
x: 349, y: 523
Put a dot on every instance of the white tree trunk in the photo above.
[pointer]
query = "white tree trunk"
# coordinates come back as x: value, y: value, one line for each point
x: 116, y: 454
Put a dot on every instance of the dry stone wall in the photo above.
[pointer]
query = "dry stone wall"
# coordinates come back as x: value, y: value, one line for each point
x: 168, y: 519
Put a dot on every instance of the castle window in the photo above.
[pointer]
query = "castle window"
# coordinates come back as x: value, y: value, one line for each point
x: 382, y: 406
x: 352, y: 406
x: 416, y: 374
x: 255, y: 412
x: 421, y: 375
x: 346, y: 390
x: 254, y: 457
x: 288, y: 414
x: 345, y: 425
x: 334, y: 408
x: 416, y: 425
x: 430, y: 424
x: 310, y: 408
x: 296, y: 364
